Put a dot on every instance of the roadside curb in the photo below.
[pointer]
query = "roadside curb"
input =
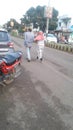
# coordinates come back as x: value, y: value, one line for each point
x: 62, y: 47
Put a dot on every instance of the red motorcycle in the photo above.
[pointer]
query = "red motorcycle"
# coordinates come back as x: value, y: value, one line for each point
x: 10, y: 67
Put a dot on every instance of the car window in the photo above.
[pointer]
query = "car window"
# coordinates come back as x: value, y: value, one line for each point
x: 3, y: 36
x: 50, y: 35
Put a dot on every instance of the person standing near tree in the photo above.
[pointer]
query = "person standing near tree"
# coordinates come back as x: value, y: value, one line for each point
x: 28, y: 41
x: 40, y: 42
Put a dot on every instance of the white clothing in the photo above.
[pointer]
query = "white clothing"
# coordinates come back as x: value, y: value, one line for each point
x: 28, y: 53
x: 40, y: 49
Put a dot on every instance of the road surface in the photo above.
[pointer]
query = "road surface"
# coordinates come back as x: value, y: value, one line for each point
x: 42, y: 97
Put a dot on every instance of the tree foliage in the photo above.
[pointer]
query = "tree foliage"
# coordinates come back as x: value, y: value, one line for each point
x: 53, y: 20
x: 36, y: 16
x: 15, y: 25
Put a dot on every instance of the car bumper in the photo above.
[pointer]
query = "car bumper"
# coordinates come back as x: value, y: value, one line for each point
x: 3, y: 52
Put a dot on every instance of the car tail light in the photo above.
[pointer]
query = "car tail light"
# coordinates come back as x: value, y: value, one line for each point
x: 10, y: 44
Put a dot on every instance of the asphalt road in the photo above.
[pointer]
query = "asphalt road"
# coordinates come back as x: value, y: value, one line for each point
x: 41, y: 98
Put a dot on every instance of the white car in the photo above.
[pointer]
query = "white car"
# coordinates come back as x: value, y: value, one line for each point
x: 70, y: 39
x: 51, y: 38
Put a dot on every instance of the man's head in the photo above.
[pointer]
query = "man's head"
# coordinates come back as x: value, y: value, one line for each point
x: 29, y: 29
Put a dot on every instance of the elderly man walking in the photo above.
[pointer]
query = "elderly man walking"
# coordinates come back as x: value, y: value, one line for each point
x: 40, y: 42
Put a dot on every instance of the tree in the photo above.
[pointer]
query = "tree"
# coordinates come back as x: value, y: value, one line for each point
x: 36, y: 16
x: 53, y: 20
x: 12, y: 24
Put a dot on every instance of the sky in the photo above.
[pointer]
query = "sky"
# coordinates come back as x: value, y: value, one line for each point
x: 17, y: 8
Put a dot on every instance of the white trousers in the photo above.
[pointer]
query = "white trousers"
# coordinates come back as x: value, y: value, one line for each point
x: 40, y: 50
x: 28, y: 53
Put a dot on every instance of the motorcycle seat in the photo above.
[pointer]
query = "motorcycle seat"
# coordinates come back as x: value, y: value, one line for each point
x: 11, y: 58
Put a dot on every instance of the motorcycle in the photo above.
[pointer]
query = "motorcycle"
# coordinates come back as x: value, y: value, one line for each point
x: 10, y: 67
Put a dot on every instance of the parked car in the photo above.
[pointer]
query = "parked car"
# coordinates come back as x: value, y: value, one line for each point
x: 70, y: 39
x: 51, y: 38
x: 6, y: 44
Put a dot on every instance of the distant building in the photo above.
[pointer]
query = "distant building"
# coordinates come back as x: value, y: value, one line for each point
x: 64, y: 27
x: 64, y: 23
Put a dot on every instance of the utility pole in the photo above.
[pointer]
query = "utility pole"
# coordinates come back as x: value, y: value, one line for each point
x: 47, y: 22
x: 47, y: 25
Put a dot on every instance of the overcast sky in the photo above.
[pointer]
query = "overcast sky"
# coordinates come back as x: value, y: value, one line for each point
x: 17, y: 8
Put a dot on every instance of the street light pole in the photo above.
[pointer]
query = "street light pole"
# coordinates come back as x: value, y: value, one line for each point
x: 47, y: 22
x: 47, y: 25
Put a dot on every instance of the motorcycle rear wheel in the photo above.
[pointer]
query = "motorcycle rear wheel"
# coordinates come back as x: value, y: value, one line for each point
x: 9, y: 79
